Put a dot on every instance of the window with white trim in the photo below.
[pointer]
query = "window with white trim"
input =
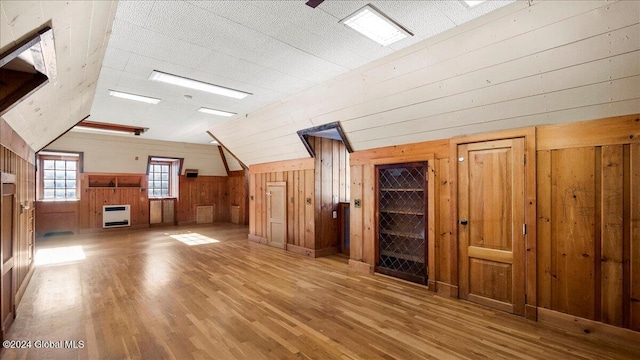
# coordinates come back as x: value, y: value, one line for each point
x: 59, y: 175
x: 163, y: 177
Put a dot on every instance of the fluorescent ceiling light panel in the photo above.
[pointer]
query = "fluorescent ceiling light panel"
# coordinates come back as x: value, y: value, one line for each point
x: 473, y: 3
x: 215, y: 112
x: 123, y: 95
x: 197, y: 85
x: 378, y: 27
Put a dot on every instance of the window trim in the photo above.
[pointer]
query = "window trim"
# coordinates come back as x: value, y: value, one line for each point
x: 58, y: 155
x: 175, y: 165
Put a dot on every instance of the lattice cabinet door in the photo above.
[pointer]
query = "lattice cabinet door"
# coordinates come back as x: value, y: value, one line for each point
x: 401, y: 249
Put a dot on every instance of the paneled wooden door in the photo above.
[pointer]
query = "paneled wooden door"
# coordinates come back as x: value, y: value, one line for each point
x: 7, y: 244
x: 277, y: 214
x: 491, y: 222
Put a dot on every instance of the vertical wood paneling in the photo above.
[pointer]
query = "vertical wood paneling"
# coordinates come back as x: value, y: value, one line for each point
x: 544, y: 229
x: 300, y: 216
x: 369, y: 222
x: 634, y: 236
x: 252, y: 204
x: 588, y: 205
x: 356, y: 229
x: 443, y: 222
x: 573, y: 229
x: 331, y: 178
x: 24, y: 171
x: 310, y: 224
x: 259, y: 202
x: 611, y: 234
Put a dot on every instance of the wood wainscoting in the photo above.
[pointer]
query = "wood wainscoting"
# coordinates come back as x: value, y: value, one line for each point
x: 17, y: 170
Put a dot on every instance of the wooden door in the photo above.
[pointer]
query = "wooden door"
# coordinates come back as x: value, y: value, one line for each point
x: 7, y: 246
x: 277, y: 214
x: 491, y: 223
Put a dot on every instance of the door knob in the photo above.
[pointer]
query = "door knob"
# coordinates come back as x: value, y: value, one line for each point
x: 464, y: 222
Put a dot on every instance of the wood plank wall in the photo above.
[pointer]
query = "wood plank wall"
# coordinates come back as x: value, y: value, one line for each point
x: 204, y: 191
x: 17, y: 158
x: 588, y: 220
x: 332, y: 179
x: 528, y: 63
x: 238, y: 194
x: 363, y: 222
x: 86, y: 214
x: 300, y: 178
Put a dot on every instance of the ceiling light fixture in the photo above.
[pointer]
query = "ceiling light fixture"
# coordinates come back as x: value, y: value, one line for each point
x: 197, y: 85
x: 214, y: 142
x: 375, y: 25
x: 123, y: 95
x: 216, y: 112
x: 472, y: 3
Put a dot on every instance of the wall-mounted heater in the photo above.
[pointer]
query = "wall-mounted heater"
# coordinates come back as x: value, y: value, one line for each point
x: 116, y: 216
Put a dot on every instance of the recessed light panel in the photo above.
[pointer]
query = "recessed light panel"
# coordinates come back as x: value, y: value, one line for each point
x: 216, y: 112
x: 197, y: 85
x: 473, y: 3
x: 378, y: 27
x: 123, y: 95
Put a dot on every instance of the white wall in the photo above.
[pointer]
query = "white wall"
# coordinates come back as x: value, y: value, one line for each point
x: 551, y: 62
x: 117, y: 154
x: 81, y: 32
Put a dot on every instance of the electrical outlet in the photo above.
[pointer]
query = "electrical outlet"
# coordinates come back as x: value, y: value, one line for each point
x: 335, y: 214
x: 357, y: 203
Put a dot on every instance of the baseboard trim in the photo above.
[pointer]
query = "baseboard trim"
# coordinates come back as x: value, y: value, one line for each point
x: 360, y: 266
x: 325, y: 252
x: 257, y: 239
x: 124, y: 228
x: 531, y: 312
x: 300, y: 250
x: 447, y: 290
x: 588, y: 327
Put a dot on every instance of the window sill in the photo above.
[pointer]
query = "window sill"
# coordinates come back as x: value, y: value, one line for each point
x: 58, y: 200
x: 163, y: 198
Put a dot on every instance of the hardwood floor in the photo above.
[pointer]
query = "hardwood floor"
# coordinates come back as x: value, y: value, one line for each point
x: 145, y: 294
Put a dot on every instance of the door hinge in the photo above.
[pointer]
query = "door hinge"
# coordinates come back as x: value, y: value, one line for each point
x: 524, y: 229
x: 525, y: 159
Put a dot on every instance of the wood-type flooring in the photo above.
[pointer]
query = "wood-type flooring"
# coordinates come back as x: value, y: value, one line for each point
x: 205, y: 292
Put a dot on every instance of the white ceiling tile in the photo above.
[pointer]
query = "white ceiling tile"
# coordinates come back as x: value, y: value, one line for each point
x: 459, y: 14
x: 269, y: 48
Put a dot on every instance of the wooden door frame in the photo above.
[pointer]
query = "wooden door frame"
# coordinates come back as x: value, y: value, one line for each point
x: 283, y: 184
x: 370, y: 167
x: 9, y: 179
x: 529, y: 135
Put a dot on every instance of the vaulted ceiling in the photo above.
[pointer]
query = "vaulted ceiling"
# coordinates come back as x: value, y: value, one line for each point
x: 272, y: 49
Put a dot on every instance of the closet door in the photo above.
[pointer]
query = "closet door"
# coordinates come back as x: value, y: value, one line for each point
x: 401, y: 249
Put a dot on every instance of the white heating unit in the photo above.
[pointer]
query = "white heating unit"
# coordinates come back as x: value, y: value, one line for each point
x: 116, y: 216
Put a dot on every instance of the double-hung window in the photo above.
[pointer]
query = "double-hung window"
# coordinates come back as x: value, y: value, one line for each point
x: 163, y: 177
x: 59, y: 174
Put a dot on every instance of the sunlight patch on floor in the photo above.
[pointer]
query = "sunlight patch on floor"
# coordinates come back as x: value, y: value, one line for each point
x: 192, y: 239
x: 59, y: 255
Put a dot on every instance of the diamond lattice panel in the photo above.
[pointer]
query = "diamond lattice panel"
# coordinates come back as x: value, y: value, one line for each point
x: 401, y: 205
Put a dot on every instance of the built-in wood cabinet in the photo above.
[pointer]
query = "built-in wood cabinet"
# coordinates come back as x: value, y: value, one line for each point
x: 401, y: 248
x: 97, y: 181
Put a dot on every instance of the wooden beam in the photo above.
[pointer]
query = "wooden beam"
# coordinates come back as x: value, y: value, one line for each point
x: 224, y: 159
x: 229, y: 151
